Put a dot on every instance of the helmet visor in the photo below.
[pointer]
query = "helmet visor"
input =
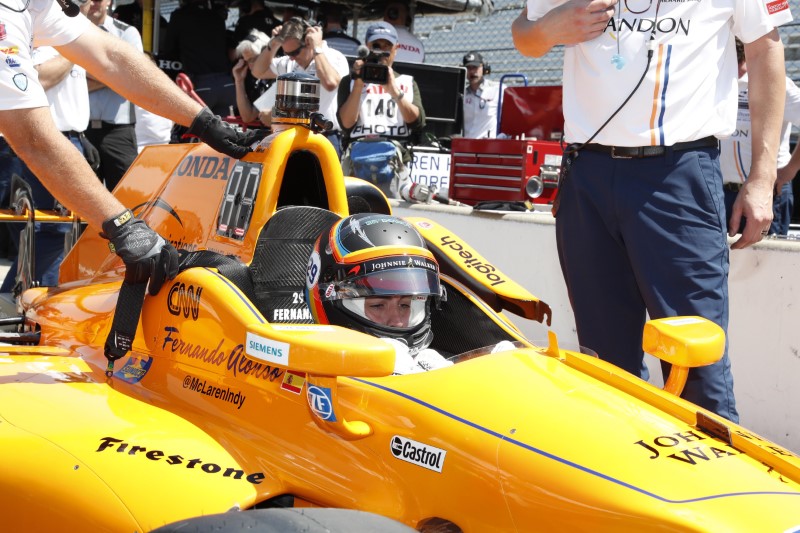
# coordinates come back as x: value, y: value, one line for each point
x: 395, y: 282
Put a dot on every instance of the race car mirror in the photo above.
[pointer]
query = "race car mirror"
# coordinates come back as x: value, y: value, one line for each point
x: 319, y: 350
x: 685, y: 342
x: 322, y: 353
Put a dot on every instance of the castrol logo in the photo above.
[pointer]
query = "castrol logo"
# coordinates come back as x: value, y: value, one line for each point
x: 418, y: 453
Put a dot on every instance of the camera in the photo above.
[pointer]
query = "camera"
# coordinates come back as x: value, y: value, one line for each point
x: 373, y: 71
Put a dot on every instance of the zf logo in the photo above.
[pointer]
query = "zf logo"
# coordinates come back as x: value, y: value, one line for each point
x: 319, y: 399
x: 183, y: 299
x: 418, y: 453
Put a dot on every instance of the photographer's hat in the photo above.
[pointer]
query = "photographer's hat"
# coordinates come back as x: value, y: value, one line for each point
x: 472, y: 59
x: 381, y: 30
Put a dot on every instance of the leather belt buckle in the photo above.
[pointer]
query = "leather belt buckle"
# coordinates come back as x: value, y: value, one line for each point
x: 622, y: 154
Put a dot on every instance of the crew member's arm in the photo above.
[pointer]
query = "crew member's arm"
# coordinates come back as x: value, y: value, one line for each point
x: 573, y: 22
x: 788, y: 172
x: 262, y: 66
x: 66, y: 174
x: 766, y: 93
x: 329, y: 78
x: 135, y: 77
x: 131, y: 74
x: 53, y: 71
x: 131, y: 36
x: 60, y: 167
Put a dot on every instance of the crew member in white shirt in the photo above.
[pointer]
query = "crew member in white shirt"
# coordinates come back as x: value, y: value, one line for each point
x: 481, y: 99
x: 112, y: 128
x: 736, y: 153
x: 640, y: 228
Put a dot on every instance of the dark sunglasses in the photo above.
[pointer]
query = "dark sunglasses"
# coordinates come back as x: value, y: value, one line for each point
x: 296, y: 51
x: 385, y: 47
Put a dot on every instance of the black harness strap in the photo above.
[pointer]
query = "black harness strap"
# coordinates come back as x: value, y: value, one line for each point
x: 131, y: 298
x: 228, y: 266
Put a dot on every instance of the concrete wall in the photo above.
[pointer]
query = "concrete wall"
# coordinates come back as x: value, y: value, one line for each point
x: 764, y: 331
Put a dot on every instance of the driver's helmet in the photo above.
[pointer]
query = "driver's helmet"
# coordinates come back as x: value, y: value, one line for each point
x: 370, y: 255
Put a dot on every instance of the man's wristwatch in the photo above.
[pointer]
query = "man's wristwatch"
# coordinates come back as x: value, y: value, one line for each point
x: 317, y: 50
x: 401, y: 95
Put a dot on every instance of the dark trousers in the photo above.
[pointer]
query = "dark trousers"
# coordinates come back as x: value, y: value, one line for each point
x: 117, y: 146
x: 647, y: 235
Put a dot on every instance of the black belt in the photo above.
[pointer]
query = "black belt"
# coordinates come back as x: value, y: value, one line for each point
x: 94, y: 125
x: 636, y: 152
x: 71, y: 133
x: 734, y: 187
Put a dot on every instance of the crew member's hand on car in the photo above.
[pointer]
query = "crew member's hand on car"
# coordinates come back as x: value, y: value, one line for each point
x: 222, y: 136
x: 147, y: 256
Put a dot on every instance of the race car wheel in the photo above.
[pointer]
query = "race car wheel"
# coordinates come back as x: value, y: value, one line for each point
x: 295, y: 520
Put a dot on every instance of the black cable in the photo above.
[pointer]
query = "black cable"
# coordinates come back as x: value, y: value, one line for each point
x: 576, y: 147
x: 651, y: 45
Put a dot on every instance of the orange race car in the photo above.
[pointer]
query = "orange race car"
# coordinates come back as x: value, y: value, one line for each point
x: 232, y: 401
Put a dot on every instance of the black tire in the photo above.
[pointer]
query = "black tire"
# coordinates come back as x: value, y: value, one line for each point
x: 295, y: 520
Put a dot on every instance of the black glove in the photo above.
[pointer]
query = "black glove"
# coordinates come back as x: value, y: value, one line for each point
x: 222, y: 136
x: 90, y: 152
x: 145, y: 253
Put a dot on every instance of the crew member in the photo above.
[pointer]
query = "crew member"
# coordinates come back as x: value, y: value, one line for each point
x: 112, y: 128
x: 736, y: 153
x: 334, y: 27
x: 480, y: 99
x: 640, y: 226
x: 65, y: 86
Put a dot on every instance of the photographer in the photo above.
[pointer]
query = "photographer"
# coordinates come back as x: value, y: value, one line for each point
x: 305, y: 51
x: 380, y: 107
